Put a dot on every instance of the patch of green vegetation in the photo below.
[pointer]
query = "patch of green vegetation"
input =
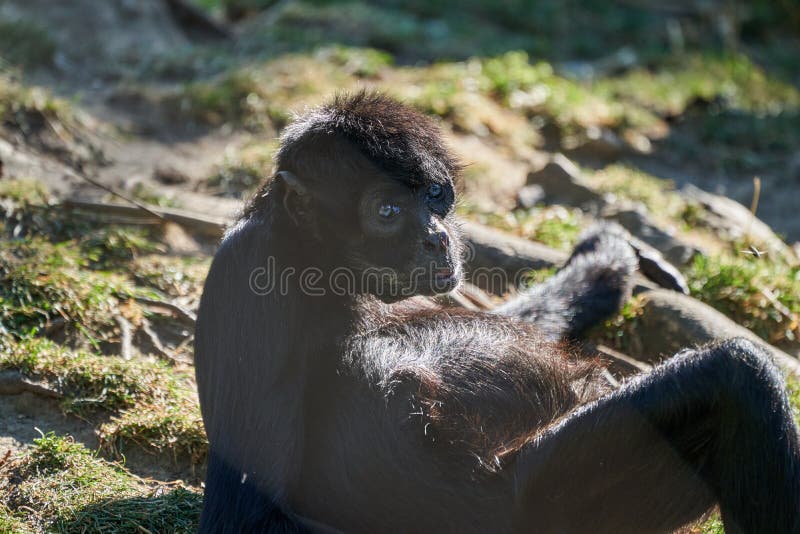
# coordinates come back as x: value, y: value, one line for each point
x: 25, y: 43
x: 30, y: 108
x: 538, y: 276
x: 793, y: 391
x: 762, y: 294
x: 176, y: 277
x: 43, y: 282
x: 243, y: 170
x: 110, y: 246
x: 89, y: 382
x: 656, y: 194
x: 25, y: 192
x: 621, y: 331
x: 555, y: 226
x: 12, y: 523
x: 173, y: 424
x: 711, y: 526
x: 558, y: 229
x: 234, y: 97
x: 151, y: 195
x: 728, y: 81
x: 360, y: 62
x: 152, y: 404
x: 261, y: 96
x: 536, y: 90
x: 60, y: 486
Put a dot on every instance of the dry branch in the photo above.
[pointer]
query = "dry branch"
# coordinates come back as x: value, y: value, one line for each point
x: 182, y: 314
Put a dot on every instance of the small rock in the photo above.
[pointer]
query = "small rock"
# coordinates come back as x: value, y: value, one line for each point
x: 671, y: 321
x: 529, y: 196
x: 170, y: 176
x: 496, y: 261
x: 736, y: 222
x: 636, y: 221
x: 638, y: 142
x: 178, y: 241
x: 562, y: 183
x: 601, y: 145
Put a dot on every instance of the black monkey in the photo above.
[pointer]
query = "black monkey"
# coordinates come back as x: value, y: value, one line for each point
x: 332, y: 402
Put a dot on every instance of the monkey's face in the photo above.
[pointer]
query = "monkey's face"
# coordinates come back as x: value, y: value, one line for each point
x: 408, y: 244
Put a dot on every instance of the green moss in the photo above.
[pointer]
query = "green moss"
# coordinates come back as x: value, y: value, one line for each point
x: 174, y: 425
x: 656, y: 194
x: 361, y: 62
x: 27, y: 107
x: 173, y: 276
x: 537, y: 90
x: 25, y: 192
x: 554, y: 226
x: 89, y: 382
x: 733, y: 81
x: 746, y: 289
x: 63, y: 487
x: 243, y: 170
x: 43, y: 281
x: 12, y: 523
x: 152, y: 404
x: 621, y: 331
x: 711, y: 526
x: 227, y: 99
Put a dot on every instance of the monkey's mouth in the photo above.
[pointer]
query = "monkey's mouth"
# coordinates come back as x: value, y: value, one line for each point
x: 445, y: 279
x: 443, y: 274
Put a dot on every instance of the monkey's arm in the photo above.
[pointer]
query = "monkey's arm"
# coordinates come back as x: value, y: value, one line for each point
x: 709, y: 425
x: 593, y: 284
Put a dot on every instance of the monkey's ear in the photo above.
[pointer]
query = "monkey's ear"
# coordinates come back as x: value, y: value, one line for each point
x: 292, y: 182
x: 295, y: 196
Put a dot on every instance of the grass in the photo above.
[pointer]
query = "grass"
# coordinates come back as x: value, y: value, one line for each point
x: 243, y: 170
x: 731, y: 80
x: 150, y: 403
x: 485, y: 70
x: 31, y: 108
x: 621, y: 331
x: 43, y: 282
x: 171, y: 276
x: 60, y: 486
x: 629, y: 183
x: 760, y: 294
x: 68, y: 280
x: 555, y: 226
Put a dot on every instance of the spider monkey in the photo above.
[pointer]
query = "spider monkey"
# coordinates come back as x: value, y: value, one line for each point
x: 337, y: 398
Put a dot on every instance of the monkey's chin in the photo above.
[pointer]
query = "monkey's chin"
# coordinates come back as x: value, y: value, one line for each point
x: 437, y: 285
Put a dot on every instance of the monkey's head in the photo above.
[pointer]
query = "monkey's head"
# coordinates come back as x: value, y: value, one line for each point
x: 368, y: 184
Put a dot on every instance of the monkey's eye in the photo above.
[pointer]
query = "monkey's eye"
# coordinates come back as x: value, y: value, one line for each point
x: 387, y: 211
x: 435, y: 191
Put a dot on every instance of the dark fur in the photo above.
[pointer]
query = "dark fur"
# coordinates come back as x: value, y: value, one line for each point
x: 371, y: 417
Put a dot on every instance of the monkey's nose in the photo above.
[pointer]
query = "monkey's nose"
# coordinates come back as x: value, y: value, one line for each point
x: 437, y: 241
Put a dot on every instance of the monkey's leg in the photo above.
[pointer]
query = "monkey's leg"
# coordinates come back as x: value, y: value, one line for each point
x: 711, y: 425
x: 233, y: 504
x: 593, y: 284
